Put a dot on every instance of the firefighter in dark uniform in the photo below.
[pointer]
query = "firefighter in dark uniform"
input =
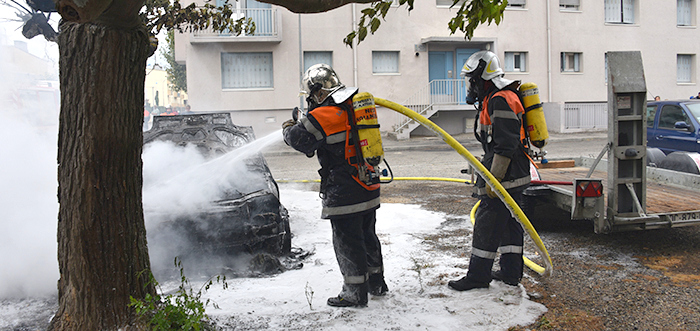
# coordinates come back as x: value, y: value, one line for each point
x: 502, y: 137
x: 349, y: 203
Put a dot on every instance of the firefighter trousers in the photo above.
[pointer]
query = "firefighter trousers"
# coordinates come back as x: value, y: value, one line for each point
x: 357, y: 248
x: 495, y: 230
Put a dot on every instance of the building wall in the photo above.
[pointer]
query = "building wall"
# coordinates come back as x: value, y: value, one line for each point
x: 157, y: 80
x: 543, y: 32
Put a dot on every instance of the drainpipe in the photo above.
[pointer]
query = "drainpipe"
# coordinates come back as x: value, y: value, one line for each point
x: 301, y: 66
x: 354, y: 49
x: 549, y: 53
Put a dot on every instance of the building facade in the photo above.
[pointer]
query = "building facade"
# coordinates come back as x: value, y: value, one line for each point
x: 413, y: 59
x: 158, y: 95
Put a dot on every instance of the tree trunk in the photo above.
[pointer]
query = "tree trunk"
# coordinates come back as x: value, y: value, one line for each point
x: 102, y: 251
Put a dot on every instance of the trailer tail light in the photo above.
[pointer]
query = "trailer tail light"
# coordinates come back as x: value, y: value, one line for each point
x: 589, y: 189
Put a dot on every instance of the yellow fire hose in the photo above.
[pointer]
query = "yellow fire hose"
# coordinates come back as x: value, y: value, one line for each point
x: 443, y: 179
x: 485, y: 173
x: 529, y: 263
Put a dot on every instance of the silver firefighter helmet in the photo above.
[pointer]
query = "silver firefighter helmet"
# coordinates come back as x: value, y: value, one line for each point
x: 485, y: 65
x: 320, y: 81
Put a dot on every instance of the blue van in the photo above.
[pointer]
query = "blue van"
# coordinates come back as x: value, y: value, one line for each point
x: 674, y: 125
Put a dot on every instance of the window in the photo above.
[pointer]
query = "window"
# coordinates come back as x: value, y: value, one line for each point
x: 684, y: 68
x: 570, y: 62
x: 516, y: 61
x: 571, y: 5
x: 684, y: 12
x: 445, y: 3
x: 619, y: 11
x: 670, y: 114
x: 311, y: 58
x: 246, y: 70
x: 384, y: 62
x: 517, y: 3
x: 651, y: 115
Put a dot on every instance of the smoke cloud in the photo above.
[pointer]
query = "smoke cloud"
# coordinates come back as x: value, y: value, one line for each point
x: 181, y: 188
x: 28, y: 207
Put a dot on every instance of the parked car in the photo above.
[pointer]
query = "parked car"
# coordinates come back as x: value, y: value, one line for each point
x: 674, y: 125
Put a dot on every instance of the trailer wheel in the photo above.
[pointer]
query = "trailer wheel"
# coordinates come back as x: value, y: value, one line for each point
x: 654, y: 157
x: 681, y: 161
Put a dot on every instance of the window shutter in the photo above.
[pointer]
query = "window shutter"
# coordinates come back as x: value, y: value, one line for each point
x: 523, y: 61
x: 628, y: 11
x: 517, y: 2
x: 446, y: 3
x: 577, y: 62
x: 385, y: 62
x: 613, y: 12
x: 569, y: 3
x: 683, y: 68
x: 246, y: 70
x: 311, y: 58
x: 684, y: 12
x: 509, y: 60
x: 562, y: 61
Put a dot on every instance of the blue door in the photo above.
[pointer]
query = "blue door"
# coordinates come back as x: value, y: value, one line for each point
x: 668, y: 137
x: 440, y: 68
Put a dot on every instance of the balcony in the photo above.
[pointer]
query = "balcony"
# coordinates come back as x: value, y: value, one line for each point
x: 267, y: 28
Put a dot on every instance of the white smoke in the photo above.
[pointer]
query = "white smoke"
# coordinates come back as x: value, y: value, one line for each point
x: 28, y: 175
x: 28, y: 208
x: 181, y: 187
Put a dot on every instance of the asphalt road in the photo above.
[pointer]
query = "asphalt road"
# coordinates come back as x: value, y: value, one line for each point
x: 428, y: 156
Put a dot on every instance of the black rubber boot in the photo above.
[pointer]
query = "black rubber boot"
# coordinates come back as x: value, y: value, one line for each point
x: 465, y: 284
x: 352, y: 295
x: 498, y: 275
x: 377, y: 285
x: 342, y: 302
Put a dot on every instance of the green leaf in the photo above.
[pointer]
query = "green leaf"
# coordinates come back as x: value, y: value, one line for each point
x: 362, y: 33
x: 374, y: 25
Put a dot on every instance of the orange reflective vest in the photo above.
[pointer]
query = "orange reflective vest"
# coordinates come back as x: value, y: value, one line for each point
x: 513, y: 102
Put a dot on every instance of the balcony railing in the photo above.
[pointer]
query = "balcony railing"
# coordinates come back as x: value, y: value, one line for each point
x: 437, y: 92
x: 267, y: 28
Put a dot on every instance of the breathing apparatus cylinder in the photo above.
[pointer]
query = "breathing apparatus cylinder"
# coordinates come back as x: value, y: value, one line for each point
x: 369, y: 136
x: 534, y: 115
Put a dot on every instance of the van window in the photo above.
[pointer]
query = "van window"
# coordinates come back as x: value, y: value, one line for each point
x: 651, y: 114
x: 670, y: 114
x: 694, y: 110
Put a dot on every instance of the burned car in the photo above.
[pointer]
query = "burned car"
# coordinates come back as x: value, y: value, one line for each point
x: 243, y: 221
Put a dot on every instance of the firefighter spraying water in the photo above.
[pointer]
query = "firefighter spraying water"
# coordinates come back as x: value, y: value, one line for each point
x: 342, y: 130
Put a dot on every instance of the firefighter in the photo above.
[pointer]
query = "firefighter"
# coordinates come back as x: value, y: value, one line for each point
x: 500, y: 131
x: 349, y: 203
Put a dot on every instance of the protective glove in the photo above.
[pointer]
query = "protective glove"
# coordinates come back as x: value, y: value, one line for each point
x: 499, y: 167
x: 288, y: 123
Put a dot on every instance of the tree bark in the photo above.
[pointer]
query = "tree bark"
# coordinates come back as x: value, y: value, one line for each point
x: 102, y: 249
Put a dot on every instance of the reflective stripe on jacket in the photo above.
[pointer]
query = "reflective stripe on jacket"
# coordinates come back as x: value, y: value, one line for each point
x: 501, y: 132
x: 326, y: 131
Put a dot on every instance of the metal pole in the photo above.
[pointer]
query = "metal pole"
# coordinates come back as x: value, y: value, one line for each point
x: 301, y: 66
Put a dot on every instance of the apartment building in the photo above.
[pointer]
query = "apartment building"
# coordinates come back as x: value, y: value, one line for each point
x: 413, y: 59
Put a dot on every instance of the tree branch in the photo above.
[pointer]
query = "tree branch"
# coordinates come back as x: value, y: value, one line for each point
x: 115, y: 13
x: 313, y: 6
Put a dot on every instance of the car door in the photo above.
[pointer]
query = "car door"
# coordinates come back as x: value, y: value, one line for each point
x: 669, y: 138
